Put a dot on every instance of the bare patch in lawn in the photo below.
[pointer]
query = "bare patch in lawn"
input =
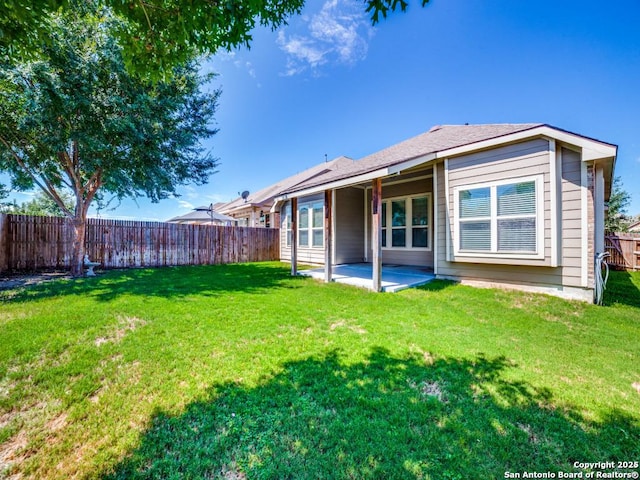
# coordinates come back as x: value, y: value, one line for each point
x: 58, y: 423
x: 231, y: 472
x: 344, y: 324
x: 429, y: 389
x: 12, y: 452
x: 526, y: 428
x: 125, y: 325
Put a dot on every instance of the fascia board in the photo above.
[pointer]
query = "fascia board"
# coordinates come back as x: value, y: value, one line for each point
x: 394, y: 169
x: 345, y: 182
x: 591, y: 149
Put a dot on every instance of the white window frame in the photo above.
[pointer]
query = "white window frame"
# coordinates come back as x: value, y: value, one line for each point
x: 494, y: 253
x: 408, y: 227
x: 310, y: 228
x: 287, y: 224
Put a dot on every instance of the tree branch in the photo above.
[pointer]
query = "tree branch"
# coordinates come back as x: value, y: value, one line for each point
x: 146, y: 16
x: 67, y: 164
x: 40, y: 180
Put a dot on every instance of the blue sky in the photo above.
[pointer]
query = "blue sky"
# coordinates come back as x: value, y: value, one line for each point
x: 329, y: 83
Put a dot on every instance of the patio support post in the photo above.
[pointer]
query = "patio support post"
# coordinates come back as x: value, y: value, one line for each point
x: 376, y: 233
x: 294, y: 236
x: 328, y: 239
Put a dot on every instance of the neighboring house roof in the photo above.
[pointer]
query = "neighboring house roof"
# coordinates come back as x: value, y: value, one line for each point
x: 634, y: 227
x: 265, y: 197
x: 202, y: 214
x: 445, y: 140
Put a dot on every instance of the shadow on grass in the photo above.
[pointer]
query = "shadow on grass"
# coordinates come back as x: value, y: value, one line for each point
x: 623, y: 287
x: 166, y: 282
x: 385, y: 417
x: 436, y: 285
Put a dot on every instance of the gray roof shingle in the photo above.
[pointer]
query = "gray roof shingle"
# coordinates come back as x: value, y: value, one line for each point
x: 266, y: 195
x: 437, y: 139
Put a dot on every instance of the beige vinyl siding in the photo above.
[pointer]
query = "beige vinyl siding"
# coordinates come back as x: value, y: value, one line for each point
x: 441, y: 218
x: 349, y: 225
x: 571, y: 204
x: 520, y: 160
x: 591, y: 225
x: 496, y: 270
x: 397, y: 187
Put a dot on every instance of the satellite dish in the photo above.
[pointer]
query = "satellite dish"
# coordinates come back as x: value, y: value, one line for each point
x: 245, y: 195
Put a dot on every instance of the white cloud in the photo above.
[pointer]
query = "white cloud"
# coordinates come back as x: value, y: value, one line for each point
x: 186, y: 205
x: 190, y: 192
x: 216, y: 197
x: 248, y: 66
x: 338, y: 33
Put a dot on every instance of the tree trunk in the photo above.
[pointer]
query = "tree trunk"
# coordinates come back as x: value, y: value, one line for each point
x: 77, y: 255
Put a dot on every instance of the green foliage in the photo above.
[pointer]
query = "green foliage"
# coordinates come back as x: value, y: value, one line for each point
x: 5, y: 207
x: 616, y: 219
x: 378, y: 7
x: 242, y: 371
x: 157, y: 35
x: 43, y: 205
x: 78, y: 119
x: 75, y: 119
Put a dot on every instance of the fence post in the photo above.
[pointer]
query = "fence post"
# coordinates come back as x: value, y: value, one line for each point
x: 4, y: 233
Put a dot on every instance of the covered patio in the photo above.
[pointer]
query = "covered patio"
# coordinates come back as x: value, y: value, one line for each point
x: 394, y: 277
x: 397, y: 273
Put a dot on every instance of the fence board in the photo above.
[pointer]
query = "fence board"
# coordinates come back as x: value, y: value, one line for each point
x: 624, y: 251
x: 30, y: 243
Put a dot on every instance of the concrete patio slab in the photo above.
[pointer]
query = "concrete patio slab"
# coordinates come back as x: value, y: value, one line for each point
x: 394, y: 277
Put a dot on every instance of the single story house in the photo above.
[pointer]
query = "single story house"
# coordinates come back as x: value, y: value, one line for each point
x: 515, y: 205
x: 204, y: 216
x: 255, y: 209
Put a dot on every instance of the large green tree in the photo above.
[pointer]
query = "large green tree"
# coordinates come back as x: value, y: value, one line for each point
x: 76, y: 119
x: 160, y: 34
x: 616, y: 219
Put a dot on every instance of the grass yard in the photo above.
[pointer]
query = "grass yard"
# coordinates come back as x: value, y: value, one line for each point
x: 242, y: 372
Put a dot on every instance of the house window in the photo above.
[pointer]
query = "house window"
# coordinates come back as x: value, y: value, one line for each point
x: 311, y: 225
x: 287, y: 225
x: 399, y: 223
x: 419, y: 222
x: 264, y: 219
x: 499, y: 218
x: 408, y: 218
x: 303, y: 226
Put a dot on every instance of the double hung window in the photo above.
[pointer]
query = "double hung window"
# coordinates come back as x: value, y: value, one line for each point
x: 311, y: 225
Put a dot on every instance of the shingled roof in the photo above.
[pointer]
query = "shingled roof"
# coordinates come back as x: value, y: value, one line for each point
x: 437, y: 139
x: 203, y: 214
x: 266, y: 195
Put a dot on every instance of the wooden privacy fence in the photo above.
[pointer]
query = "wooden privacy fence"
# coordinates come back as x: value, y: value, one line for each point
x: 29, y: 243
x: 624, y: 251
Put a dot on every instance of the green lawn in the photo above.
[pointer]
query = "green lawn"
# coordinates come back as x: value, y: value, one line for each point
x: 241, y: 371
